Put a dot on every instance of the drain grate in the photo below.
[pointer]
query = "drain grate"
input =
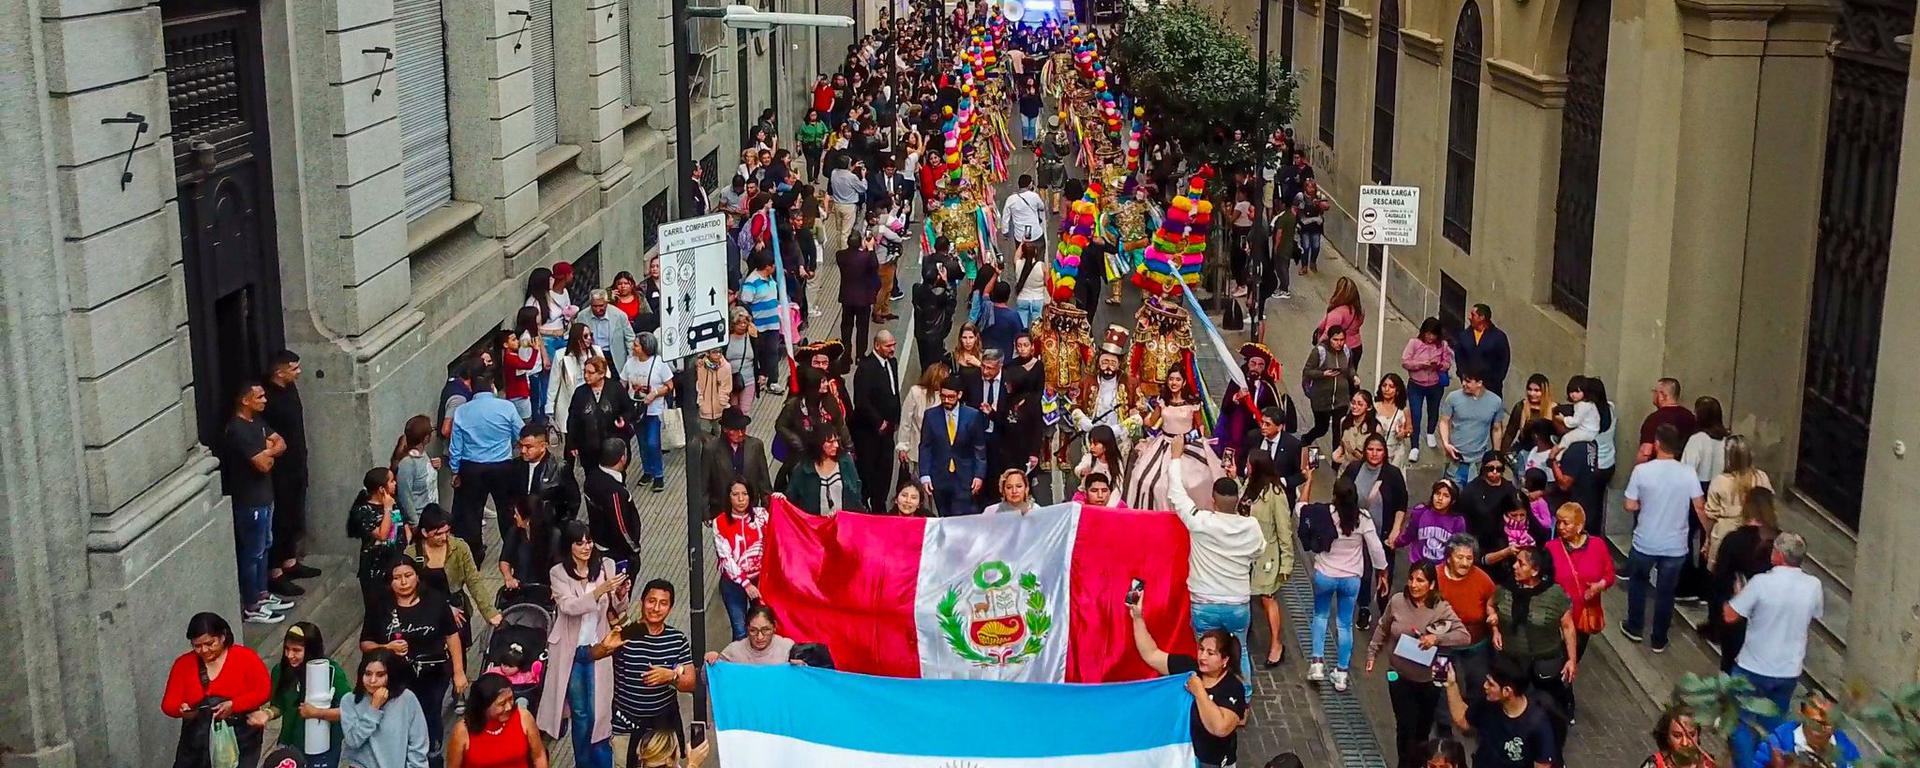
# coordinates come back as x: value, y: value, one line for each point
x: 1346, y: 720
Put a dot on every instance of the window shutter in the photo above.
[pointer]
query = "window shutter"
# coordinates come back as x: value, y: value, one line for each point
x: 420, y: 72
x: 546, y: 92
x: 626, y: 53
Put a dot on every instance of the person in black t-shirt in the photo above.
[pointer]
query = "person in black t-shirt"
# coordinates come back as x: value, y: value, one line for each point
x: 1513, y: 730
x: 418, y: 625
x: 1219, y: 697
x: 250, y: 449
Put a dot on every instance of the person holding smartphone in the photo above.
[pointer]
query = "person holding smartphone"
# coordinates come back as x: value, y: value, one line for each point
x: 1219, y: 695
x: 652, y: 665
x: 1418, y: 612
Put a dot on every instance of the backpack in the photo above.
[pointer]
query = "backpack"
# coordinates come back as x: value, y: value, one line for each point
x: 1317, y: 528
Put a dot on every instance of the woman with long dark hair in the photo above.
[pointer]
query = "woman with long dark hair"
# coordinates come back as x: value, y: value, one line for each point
x: 1102, y: 456
x: 416, y: 624
x: 577, y: 697
x: 1339, y: 571
x: 1266, y: 500
x: 811, y: 409
x: 1344, y: 310
x: 526, y: 365
x: 1593, y: 497
x: 1427, y: 359
x: 216, y: 681
x: 828, y: 480
x: 1676, y: 741
x: 1356, y: 425
x: 1327, y: 379
x: 1390, y: 412
x: 376, y: 520
x: 569, y: 373
x: 495, y: 732
x: 303, y: 645
x: 417, y: 476
x: 1745, y: 553
x: 552, y: 332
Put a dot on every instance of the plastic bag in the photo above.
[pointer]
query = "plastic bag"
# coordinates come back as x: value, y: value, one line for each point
x: 223, y: 747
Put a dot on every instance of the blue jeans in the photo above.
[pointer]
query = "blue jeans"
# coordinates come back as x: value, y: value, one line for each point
x: 1463, y: 471
x: 737, y: 602
x: 1331, y: 595
x: 1029, y: 311
x: 252, y: 536
x: 586, y: 754
x: 651, y: 463
x: 1029, y: 126
x: 1310, y: 248
x: 1661, y: 573
x: 1233, y: 618
x: 1745, y: 739
x: 1425, y: 401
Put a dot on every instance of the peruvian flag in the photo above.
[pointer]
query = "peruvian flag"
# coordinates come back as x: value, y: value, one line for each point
x: 1033, y: 598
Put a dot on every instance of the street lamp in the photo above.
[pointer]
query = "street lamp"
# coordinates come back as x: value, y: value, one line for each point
x: 744, y: 17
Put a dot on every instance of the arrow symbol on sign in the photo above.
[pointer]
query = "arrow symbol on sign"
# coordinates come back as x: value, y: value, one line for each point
x: 669, y: 305
x: 713, y: 296
x: 686, y: 299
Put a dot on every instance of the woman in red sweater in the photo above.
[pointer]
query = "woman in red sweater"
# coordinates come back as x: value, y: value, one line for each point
x: 1583, y: 567
x: 217, y: 680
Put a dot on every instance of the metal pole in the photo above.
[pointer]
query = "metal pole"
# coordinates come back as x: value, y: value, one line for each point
x: 1380, y: 318
x: 689, y: 403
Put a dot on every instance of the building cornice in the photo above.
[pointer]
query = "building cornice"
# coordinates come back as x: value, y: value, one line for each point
x: 1356, y: 21
x: 1422, y: 46
x: 1542, y: 91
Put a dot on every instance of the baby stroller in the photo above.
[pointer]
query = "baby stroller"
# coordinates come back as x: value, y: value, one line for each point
x: 518, y: 648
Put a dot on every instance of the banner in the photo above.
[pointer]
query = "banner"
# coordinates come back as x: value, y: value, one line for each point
x: 1035, y: 597
x: 798, y: 717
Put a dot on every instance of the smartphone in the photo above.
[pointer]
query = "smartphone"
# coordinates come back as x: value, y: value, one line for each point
x: 1135, y: 590
x: 1442, y: 670
x: 1313, y: 457
x: 621, y: 566
x: 696, y: 733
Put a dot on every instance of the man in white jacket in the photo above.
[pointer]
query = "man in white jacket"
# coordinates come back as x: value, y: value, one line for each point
x: 1220, y: 563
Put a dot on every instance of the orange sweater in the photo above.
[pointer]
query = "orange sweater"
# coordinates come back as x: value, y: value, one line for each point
x: 243, y: 681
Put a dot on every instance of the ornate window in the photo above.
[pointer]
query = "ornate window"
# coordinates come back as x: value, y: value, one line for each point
x: 1580, y: 158
x: 1386, y: 75
x: 1463, y: 128
x: 1329, y: 68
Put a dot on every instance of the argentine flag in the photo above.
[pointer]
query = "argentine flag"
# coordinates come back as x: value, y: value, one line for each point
x: 798, y: 717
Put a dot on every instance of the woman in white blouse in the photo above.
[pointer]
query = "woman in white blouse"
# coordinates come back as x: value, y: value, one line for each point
x: 569, y: 372
x: 921, y: 397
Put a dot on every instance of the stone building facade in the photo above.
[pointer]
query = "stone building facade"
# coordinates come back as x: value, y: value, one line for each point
x: 1701, y: 189
x: 192, y: 184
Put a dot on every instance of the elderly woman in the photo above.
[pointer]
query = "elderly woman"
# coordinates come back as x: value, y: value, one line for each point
x: 740, y: 357
x: 216, y: 681
x: 1533, y: 626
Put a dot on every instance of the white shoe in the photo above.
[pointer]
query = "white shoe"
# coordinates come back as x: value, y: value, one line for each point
x: 1284, y: 295
x: 262, y: 616
x: 276, y: 603
x: 813, y: 312
x: 1432, y: 442
x: 1413, y: 455
x: 1316, y: 672
x: 1339, y: 678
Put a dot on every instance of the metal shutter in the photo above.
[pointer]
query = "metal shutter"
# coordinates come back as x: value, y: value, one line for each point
x: 546, y: 92
x: 420, y: 71
x: 626, y: 52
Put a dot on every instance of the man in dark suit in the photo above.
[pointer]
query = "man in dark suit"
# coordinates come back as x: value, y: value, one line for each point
x: 614, y: 522
x: 987, y: 391
x: 1482, y: 346
x: 1276, y: 443
x: 736, y: 455
x: 876, y: 414
x: 859, y: 288
x: 953, y: 452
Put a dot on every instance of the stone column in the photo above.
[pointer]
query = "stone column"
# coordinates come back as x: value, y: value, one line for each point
x: 1353, y: 127
x: 490, y: 108
x: 1516, y: 178
x: 591, y: 79
x: 1886, y: 613
x: 1419, y: 135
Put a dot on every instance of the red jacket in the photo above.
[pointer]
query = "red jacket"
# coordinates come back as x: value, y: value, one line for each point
x: 243, y: 681
x: 823, y: 98
x: 516, y: 383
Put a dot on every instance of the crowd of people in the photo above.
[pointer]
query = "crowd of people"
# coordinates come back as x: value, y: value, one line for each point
x: 1483, y: 629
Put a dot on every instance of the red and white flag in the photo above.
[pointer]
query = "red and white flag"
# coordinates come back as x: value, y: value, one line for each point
x: 1038, y: 597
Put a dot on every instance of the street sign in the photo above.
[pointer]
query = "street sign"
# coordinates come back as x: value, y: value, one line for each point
x: 693, y: 286
x: 1389, y: 215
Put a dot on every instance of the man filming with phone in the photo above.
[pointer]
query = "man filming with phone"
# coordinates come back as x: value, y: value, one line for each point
x: 652, y: 666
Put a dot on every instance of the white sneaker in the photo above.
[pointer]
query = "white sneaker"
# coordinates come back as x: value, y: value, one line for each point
x: 275, y: 603
x: 1413, y: 455
x: 1339, y: 678
x: 263, y: 616
x: 1285, y: 295
x: 813, y: 312
x: 1316, y: 672
x: 1433, y: 442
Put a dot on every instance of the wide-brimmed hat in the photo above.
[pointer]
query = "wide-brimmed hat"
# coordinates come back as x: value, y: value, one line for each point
x: 732, y: 418
x: 1251, y: 350
x: 832, y: 348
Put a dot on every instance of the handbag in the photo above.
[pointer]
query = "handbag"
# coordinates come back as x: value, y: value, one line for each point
x: 673, y: 430
x: 1591, y: 617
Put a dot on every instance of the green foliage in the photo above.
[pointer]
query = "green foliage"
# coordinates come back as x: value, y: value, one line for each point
x: 1892, y: 719
x: 1194, y: 76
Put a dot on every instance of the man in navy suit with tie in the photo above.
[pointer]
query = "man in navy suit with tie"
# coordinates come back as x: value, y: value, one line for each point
x: 953, y: 452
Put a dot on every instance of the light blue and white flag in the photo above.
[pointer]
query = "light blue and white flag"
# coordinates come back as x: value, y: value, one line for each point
x: 797, y: 717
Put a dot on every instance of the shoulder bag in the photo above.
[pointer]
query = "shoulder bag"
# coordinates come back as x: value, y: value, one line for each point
x: 1590, y: 618
x: 673, y: 426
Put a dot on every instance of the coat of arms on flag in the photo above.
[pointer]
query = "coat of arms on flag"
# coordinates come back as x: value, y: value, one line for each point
x: 997, y: 623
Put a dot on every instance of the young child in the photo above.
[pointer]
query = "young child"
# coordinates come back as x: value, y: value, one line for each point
x: 514, y: 667
x: 1540, y: 433
x: 1535, y: 483
x: 1582, y: 426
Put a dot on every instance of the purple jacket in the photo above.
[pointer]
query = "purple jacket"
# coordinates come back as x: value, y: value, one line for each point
x: 1431, y: 529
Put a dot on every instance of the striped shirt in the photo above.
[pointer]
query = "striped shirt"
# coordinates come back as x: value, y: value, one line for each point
x: 761, y: 298
x: 633, y: 702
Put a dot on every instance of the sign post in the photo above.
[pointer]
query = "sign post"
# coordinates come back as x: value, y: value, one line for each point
x: 1389, y: 216
x: 693, y: 286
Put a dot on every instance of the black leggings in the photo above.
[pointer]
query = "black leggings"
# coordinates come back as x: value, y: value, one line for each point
x: 1415, y: 706
x: 1322, y: 424
x: 430, y: 686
